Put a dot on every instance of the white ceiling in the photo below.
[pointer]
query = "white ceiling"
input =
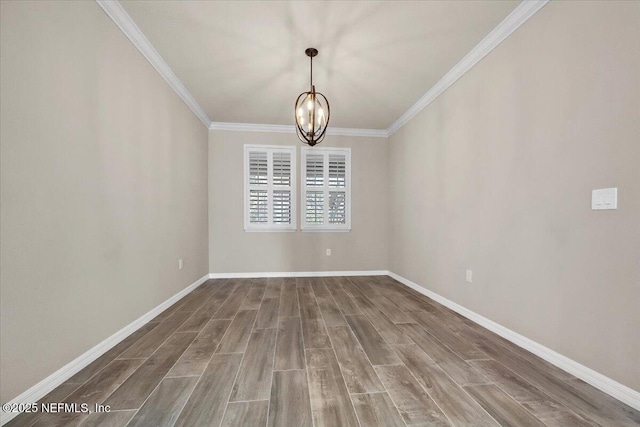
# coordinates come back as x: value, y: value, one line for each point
x: 244, y: 61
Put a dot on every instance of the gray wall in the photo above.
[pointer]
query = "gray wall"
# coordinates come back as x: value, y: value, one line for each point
x: 496, y: 176
x: 104, y: 187
x: 232, y: 250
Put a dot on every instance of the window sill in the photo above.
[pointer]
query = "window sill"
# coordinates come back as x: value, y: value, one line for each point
x: 270, y: 230
x: 325, y: 230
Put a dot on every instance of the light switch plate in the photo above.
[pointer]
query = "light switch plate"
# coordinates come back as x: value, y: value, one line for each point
x: 604, y: 198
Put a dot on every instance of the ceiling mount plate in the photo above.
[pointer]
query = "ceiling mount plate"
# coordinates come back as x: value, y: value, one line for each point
x: 311, y: 52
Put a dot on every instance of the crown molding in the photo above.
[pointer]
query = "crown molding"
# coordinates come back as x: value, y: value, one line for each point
x: 121, y: 18
x: 515, y: 19
x: 255, y: 127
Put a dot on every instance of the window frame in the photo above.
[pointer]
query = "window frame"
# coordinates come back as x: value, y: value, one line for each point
x: 269, y: 226
x: 326, y: 152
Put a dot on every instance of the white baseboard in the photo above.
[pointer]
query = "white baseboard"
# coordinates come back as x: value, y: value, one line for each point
x: 297, y: 274
x: 41, y: 389
x: 611, y: 387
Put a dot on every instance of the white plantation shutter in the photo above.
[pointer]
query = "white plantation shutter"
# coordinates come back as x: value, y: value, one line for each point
x: 281, y: 207
x: 314, y: 207
x: 269, y: 188
x: 315, y: 170
x: 326, y: 189
x: 337, y: 207
x: 281, y: 168
x: 258, y: 168
x: 258, y: 206
x: 337, y: 170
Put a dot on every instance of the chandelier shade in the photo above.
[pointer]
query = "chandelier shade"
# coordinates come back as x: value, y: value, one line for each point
x: 311, y: 111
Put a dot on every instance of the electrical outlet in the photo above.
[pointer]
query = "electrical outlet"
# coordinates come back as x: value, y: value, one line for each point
x: 469, y: 276
x: 180, y: 264
x: 328, y: 252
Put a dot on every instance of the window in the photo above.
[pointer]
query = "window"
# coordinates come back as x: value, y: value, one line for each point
x: 326, y: 189
x: 269, y: 186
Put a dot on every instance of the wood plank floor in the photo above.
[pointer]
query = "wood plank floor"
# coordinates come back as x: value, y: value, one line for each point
x: 332, y: 351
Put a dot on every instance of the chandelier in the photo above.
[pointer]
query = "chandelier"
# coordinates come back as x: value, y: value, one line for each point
x: 311, y: 118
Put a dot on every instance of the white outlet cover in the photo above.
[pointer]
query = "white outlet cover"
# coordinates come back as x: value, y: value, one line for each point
x: 469, y: 276
x: 604, y: 198
x: 328, y: 252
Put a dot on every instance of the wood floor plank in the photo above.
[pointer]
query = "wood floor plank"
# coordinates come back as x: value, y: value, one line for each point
x: 150, y: 342
x: 101, y: 385
x: 331, y: 314
x: 459, y: 370
x: 289, y: 301
x: 330, y: 404
x: 364, y: 285
x: 385, y: 327
x: 346, y: 303
x: 254, y: 379
x: 314, y: 331
x: 102, y: 361
x: 408, y: 303
x: 201, y: 316
x: 414, y: 404
x: 612, y: 404
x: 231, y: 306
x: 392, y: 287
x: 195, y: 358
x: 109, y: 419
x: 502, y: 407
x: 254, y: 297
x: 274, y: 287
x: 478, y: 335
x: 289, y: 348
x: 289, y: 403
x: 452, y: 357
x: 557, y: 389
x: 391, y: 310
x: 319, y: 288
x: 243, y: 414
x: 193, y: 295
x: 460, y: 408
x: 165, y: 403
x: 237, y: 336
x: 350, y: 288
x: 374, y: 346
x: 537, y: 402
x: 94, y: 391
x: 135, y: 390
x: 332, y: 283
x: 463, y: 348
x: 304, y: 282
x: 568, y: 419
x: 209, y: 399
x: 376, y: 410
x: 268, y: 314
x: 58, y: 394
x: 197, y: 298
x: 359, y: 375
